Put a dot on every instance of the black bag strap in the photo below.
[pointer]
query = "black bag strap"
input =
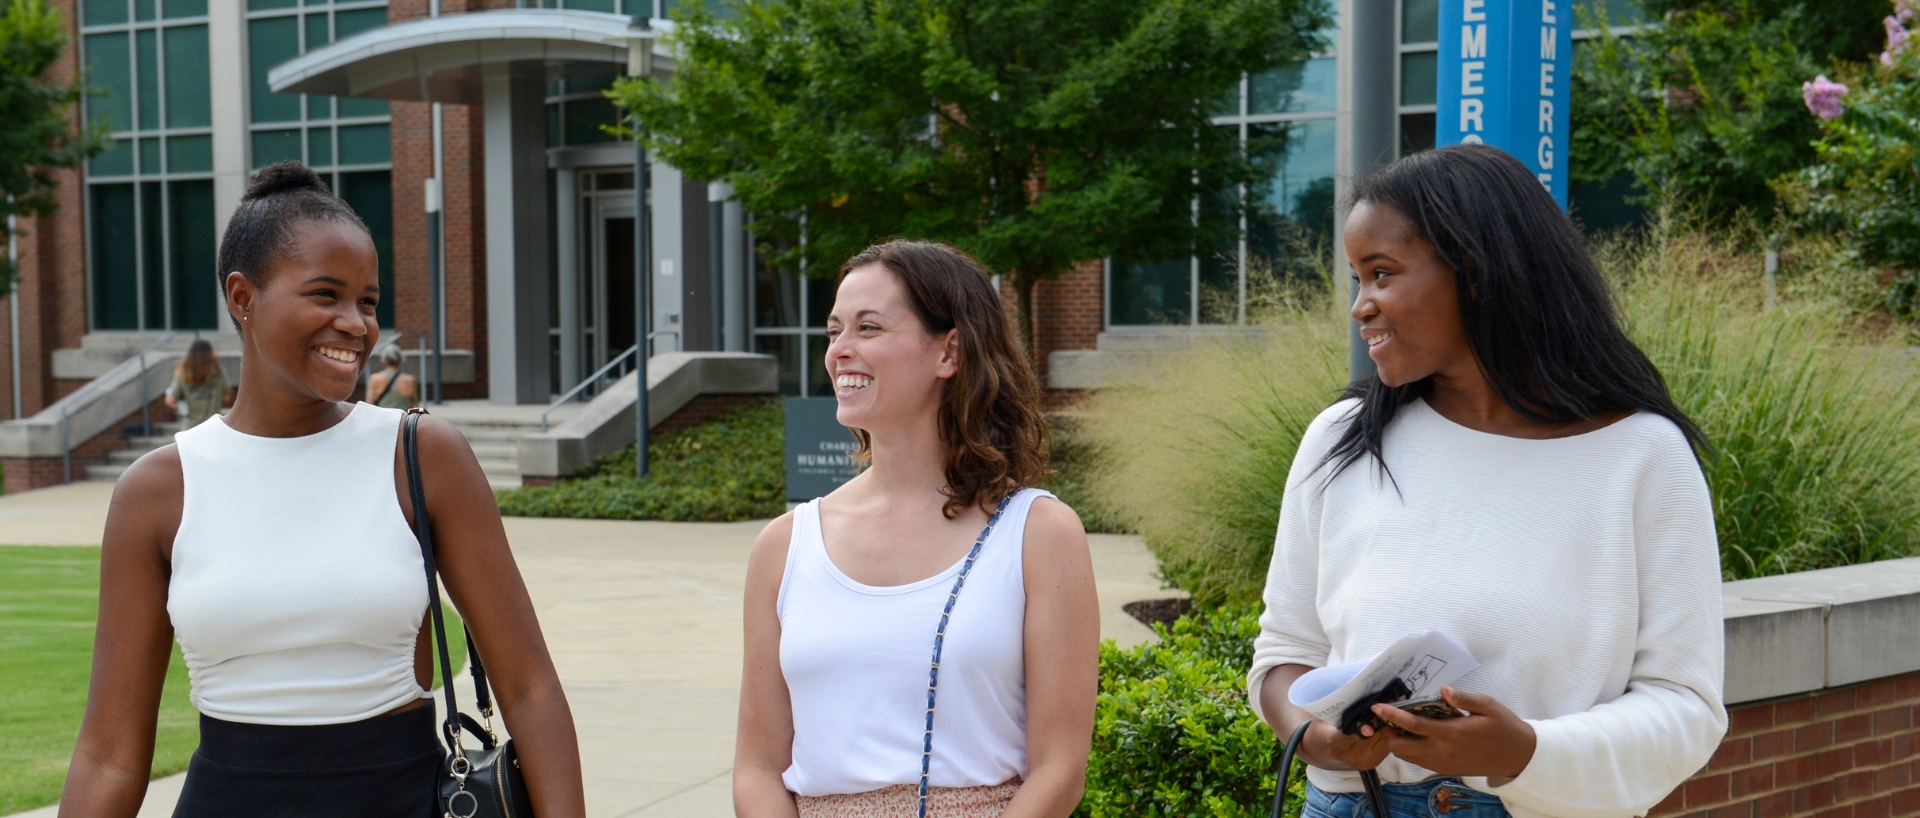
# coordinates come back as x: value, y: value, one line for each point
x: 409, y: 443
x: 391, y: 380
x: 482, y: 696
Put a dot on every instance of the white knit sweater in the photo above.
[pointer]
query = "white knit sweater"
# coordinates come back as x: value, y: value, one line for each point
x: 1582, y: 572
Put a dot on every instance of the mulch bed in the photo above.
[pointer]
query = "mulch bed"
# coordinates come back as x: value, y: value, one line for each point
x: 1159, y: 611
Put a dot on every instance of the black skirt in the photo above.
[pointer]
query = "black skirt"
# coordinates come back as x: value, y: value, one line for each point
x: 383, y: 767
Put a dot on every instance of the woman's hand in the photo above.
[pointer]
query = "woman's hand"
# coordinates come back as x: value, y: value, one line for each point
x: 1324, y: 742
x: 1490, y: 741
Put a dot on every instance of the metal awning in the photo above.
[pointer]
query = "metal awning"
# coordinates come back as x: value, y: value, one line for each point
x: 439, y: 59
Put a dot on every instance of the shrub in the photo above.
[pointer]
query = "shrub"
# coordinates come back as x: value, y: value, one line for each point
x: 1194, y: 456
x: 1817, y: 461
x: 730, y: 468
x: 1173, y: 735
x: 1866, y: 184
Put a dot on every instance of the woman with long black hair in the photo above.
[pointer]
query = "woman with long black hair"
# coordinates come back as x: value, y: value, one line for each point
x: 1516, y: 477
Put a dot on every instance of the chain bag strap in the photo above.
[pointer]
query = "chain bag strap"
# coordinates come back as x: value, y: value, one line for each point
x: 939, y: 637
x: 483, y: 783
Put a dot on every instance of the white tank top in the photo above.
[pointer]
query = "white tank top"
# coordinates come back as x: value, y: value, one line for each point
x: 297, y: 589
x: 856, y: 657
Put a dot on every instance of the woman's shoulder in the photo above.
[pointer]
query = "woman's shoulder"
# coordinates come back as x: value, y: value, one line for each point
x: 1327, y: 427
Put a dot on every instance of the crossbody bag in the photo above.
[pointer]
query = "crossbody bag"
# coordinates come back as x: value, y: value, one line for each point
x: 483, y: 783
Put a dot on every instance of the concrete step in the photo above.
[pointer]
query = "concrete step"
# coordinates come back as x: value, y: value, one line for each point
x: 109, y: 473
x: 502, y: 468
x: 489, y: 450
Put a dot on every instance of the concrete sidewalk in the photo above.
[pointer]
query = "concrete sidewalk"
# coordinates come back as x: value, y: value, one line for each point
x: 643, y: 621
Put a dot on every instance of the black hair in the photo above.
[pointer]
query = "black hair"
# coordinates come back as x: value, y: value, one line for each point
x: 1538, y: 315
x: 261, y: 232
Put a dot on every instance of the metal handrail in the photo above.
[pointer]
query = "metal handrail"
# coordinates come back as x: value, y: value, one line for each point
x: 146, y: 408
x: 586, y: 382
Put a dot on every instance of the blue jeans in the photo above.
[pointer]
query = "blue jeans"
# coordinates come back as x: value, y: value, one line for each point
x: 1432, y: 798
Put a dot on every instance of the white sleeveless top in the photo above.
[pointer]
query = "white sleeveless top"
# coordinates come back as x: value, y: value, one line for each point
x: 297, y: 589
x: 856, y: 657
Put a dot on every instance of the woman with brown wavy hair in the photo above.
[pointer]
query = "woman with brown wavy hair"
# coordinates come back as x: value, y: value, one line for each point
x: 925, y: 639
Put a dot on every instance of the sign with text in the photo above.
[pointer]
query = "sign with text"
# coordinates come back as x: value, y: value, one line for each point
x: 1505, y: 78
x: 819, y: 449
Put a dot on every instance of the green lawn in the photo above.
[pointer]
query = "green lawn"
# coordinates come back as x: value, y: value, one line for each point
x: 47, y: 605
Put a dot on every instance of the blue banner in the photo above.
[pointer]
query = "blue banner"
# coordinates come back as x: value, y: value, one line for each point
x: 1505, y: 78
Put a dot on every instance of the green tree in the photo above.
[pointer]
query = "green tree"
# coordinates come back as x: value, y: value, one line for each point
x: 1703, y: 108
x: 37, y: 129
x: 1036, y: 134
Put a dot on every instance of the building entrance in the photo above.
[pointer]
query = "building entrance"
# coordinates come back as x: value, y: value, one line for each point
x: 595, y: 281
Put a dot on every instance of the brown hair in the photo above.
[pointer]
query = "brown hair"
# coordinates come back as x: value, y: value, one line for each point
x: 991, y: 420
x: 199, y: 363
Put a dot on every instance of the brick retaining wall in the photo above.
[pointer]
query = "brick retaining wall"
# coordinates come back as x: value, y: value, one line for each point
x: 1850, y: 752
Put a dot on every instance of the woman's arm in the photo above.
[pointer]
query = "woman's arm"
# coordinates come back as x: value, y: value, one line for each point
x: 132, y: 642
x: 1062, y: 647
x: 476, y: 563
x: 763, y: 747
x: 1621, y: 757
x: 409, y: 387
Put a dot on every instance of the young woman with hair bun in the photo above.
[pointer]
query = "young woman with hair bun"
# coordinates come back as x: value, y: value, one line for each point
x: 275, y: 543
x: 925, y: 639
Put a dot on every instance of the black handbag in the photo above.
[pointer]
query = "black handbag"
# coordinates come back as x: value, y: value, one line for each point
x: 483, y: 783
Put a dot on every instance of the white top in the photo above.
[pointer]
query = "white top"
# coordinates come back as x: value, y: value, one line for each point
x: 297, y: 589
x: 856, y: 657
x: 1582, y: 572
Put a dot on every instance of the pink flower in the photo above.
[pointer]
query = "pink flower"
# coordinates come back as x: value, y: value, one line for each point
x: 1823, y: 96
x: 1897, y: 36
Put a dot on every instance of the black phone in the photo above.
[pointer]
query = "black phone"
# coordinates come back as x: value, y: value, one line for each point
x: 1428, y: 707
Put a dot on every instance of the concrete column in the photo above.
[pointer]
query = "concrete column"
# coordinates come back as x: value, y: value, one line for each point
x: 669, y: 256
x: 226, y: 48
x: 518, y: 354
x: 567, y: 231
x: 734, y: 277
x: 1364, y: 126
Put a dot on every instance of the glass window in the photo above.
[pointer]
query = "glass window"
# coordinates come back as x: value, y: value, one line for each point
x: 370, y: 193
x: 115, y: 274
x: 1152, y: 293
x: 190, y: 154
x: 147, y: 78
x: 117, y: 160
x: 112, y: 70
x: 189, y: 86
x: 320, y: 147
x: 317, y: 31
x: 1614, y: 12
x: 1416, y: 133
x: 191, y: 238
x: 785, y: 350
x: 348, y: 23
x: 105, y: 12
x: 365, y: 145
x: 270, y: 42
x: 586, y: 118
x: 1419, y: 78
x: 272, y: 146
x: 591, y: 5
x: 266, y: 5
x: 1419, y: 21
x: 1293, y: 209
x: 150, y: 155
x: 153, y: 254
x: 1307, y: 87
x: 152, y: 237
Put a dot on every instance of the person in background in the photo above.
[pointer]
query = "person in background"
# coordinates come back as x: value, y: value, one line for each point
x: 941, y: 533
x: 1516, y: 477
x: 390, y: 387
x: 200, y: 388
